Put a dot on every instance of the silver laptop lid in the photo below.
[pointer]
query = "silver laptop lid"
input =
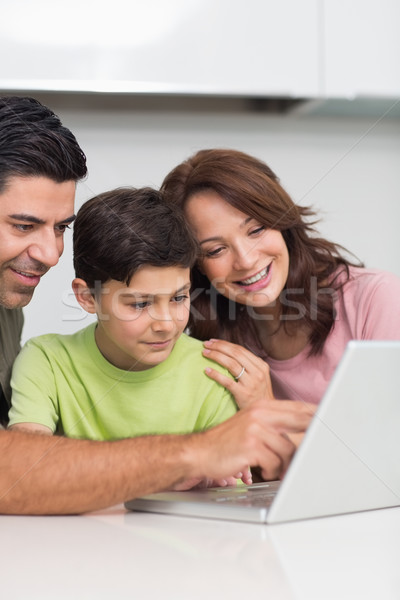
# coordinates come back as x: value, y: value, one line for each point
x: 348, y: 460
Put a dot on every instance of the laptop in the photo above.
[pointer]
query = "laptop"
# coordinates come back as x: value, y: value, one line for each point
x: 347, y: 462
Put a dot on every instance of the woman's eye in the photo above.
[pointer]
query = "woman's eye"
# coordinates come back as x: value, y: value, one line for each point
x: 214, y: 252
x: 258, y: 230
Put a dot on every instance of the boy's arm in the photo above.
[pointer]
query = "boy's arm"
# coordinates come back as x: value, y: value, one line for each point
x: 216, y: 408
x: 56, y: 475
x: 31, y: 428
x: 34, y: 405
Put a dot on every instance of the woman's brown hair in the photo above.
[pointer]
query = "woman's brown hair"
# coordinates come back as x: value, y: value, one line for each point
x: 250, y: 186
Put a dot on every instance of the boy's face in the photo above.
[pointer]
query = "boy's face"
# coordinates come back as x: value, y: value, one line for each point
x: 138, y: 325
x: 34, y: 213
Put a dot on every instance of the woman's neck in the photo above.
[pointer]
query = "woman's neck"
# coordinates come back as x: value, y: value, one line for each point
x: 281, y: 340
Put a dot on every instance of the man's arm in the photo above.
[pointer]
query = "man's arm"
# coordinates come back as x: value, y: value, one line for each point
x: 43, y: 474
x: 40, y: 474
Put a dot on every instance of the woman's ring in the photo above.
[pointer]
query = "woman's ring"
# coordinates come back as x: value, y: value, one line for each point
x: 240, y: 374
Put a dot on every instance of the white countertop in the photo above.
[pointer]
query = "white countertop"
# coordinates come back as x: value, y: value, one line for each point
x: 114, y: 554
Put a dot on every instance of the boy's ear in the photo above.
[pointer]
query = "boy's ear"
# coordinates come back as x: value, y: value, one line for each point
x: 84, y: 295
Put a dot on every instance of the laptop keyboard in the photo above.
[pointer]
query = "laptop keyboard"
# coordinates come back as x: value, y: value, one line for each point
x: 261, y: 494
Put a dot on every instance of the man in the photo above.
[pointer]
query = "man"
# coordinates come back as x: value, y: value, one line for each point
x: 40, y: 163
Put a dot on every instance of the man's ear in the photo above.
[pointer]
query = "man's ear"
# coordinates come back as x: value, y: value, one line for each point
x: 84, y: 295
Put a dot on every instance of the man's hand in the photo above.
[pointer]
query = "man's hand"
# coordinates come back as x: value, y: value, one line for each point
x: 255, y: 436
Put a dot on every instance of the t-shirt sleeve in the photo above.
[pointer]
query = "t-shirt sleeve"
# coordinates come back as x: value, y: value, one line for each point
x: 379, y: 308
x: 217, y: 407
x: 34, y: 394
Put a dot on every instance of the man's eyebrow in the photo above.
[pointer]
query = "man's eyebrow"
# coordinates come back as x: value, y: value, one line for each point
x: 31, y: 219
x: 68, y: 219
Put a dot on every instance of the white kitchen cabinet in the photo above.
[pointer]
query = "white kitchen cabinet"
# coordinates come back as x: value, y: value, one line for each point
x: 217, y: 47
x: 361, y: 48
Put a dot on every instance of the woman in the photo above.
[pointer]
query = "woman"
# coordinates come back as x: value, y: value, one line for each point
x: 282, y: 301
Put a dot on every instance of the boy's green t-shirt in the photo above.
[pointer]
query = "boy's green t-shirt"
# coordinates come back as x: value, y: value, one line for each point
x: 65, y: 383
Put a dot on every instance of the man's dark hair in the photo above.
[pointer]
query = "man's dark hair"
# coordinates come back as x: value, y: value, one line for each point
x: 33, y: 142
x: 117, y: 232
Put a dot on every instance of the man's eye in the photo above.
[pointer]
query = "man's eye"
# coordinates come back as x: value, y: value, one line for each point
x: 22, y: 227
x: 61, y: 228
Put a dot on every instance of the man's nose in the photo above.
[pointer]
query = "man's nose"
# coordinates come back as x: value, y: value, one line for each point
x: 46, y: 250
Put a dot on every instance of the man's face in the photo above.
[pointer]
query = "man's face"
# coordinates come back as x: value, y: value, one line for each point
x: 34, y: 213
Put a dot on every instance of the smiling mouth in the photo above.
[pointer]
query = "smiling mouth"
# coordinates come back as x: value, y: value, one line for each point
x: 257, y: 277
x: 32, y: 275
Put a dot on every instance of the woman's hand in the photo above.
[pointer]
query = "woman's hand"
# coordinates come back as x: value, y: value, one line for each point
x: 254, y: 383
x: 251, y: 374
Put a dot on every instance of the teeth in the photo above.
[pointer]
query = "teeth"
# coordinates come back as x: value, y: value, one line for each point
x: 26, y: 274
x: 255, y: 278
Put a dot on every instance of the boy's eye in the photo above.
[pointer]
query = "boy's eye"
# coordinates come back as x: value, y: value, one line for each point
x: 140, y: 305
x: 181, y: 298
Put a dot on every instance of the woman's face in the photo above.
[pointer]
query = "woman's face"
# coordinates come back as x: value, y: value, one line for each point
x: 244, y: 260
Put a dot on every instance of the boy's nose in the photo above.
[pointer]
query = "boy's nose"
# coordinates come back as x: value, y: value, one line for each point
x: 161, y: 320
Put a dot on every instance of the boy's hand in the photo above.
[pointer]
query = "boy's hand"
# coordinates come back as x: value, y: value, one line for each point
x: 190, y: 484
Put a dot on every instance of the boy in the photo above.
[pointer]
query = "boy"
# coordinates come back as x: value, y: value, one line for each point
x: 134, y: 372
